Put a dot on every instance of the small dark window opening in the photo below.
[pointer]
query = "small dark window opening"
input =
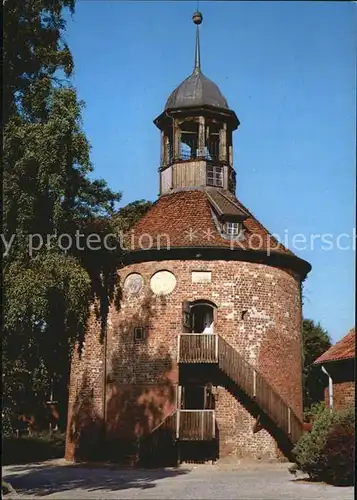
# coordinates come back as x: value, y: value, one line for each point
x: 139, y: 334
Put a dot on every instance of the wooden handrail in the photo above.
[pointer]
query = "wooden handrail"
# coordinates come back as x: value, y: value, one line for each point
x: 212, y: 348
x: 259, y: 389
x: 187, y: 425
x: 197, y: 348
x: 196, y: 425
x: 164, y: 422
x: 149, y: 445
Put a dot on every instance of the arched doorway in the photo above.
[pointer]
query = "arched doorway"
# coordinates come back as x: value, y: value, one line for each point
x: 198, y: 316
x: 202, y: 318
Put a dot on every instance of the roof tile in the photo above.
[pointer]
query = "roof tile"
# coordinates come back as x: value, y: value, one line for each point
x: 185, y: 218
x: 343, y: 349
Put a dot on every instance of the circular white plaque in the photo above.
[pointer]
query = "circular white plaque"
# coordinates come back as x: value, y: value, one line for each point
x: 163, y: 282
x: 133, y: 283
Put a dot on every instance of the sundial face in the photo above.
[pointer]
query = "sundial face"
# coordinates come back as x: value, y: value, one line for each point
x: 133, y: 284
x: 163, y: 283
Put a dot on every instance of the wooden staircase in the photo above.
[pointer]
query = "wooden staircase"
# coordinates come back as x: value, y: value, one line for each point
x: 179, y: 426
x: 159, y: 447
x: 212, y: 348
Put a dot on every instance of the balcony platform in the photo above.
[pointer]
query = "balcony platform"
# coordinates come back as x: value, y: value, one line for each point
x: 195, y: 425
x: 197, y: 348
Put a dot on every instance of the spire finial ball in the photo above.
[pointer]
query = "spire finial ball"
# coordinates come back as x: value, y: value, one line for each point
x: 197, y: 17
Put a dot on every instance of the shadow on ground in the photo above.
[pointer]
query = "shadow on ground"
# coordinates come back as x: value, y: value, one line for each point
x: 42, y: 479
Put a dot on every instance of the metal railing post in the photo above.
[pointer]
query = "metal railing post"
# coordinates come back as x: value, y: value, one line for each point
x: 216, y: 348
x: 178, y: 424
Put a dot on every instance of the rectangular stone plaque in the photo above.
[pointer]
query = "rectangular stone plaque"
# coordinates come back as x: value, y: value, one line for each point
x: 201, y: 276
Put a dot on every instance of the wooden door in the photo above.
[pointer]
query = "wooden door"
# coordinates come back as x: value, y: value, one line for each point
x: 186, y: 317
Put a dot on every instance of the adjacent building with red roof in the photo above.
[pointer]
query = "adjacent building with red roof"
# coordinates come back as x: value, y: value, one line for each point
x: 339, y: 362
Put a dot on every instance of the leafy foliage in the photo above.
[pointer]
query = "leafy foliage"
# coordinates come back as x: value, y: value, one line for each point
x: 339, y: 453
x: 315, y: 342
x: 34, y: 52
x: 127, y: 216
x: 34, y: 448
x: 319, y: 453
x: 314, y: 410
x: 48, y: 194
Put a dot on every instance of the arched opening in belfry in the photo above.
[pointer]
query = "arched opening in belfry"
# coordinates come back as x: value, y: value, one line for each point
x: 168, y: 145
x: 185, y: 151
x: 212, y: 142
x: 189, y: 140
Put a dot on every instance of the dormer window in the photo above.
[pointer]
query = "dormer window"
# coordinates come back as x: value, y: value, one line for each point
x: 232, y: 228
x: 214, y: 176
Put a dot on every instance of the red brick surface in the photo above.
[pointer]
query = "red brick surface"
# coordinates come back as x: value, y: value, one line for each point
x: 142, y: 376
x: 343, y: 395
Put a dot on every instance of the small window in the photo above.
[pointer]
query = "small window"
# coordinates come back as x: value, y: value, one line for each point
x: 214, y: 176
x: 139, y: 333
x: 232, y: 228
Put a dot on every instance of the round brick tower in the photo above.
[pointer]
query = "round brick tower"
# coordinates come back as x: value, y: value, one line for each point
x: 206, y: 347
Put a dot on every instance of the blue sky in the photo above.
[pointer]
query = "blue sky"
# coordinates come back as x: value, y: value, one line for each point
x: 288, y: 69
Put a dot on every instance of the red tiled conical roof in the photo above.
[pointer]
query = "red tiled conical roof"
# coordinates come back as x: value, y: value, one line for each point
x: 187, y: 220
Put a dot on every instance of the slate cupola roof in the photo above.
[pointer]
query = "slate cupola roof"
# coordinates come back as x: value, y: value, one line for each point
x: 197, y: 90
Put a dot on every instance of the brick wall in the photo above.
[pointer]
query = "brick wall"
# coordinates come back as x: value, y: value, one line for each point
x: 85, y: 405
x: 258, y: 313
x: 343, y: 395
x: 343, y: 375
x: 235, y: 426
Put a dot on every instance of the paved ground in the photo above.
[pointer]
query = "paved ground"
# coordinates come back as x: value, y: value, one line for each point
x: 56, y: 479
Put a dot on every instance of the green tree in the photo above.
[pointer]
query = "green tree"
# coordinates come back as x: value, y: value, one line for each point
x: 35, y: 54
x: 47, y: 191
x: 127, y: 216
x: 315, y: 342
x: 327, y: 452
